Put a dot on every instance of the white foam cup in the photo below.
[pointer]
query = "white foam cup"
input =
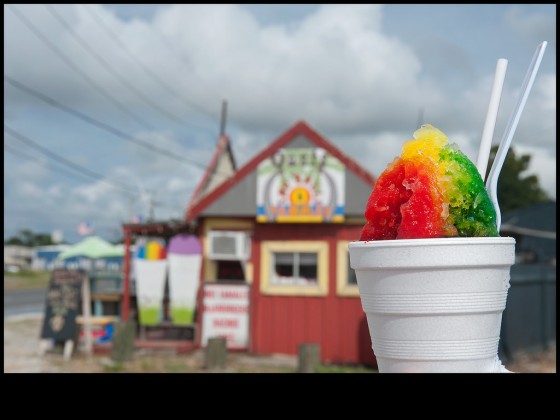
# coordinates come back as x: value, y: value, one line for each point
x: 434, y: 305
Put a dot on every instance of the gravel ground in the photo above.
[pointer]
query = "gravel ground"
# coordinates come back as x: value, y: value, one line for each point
x: 21, y: 345
x: 21, y: 355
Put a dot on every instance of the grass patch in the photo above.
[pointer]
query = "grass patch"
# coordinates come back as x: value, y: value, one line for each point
x: 26, y: 279
x: 176, y: 368
x: 147, y: 366
x: 114, y: 367
x: 343, y: 369
x: 262, y: 369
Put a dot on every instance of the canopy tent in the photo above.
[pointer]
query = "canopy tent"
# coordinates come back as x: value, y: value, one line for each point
x: 92, y: 247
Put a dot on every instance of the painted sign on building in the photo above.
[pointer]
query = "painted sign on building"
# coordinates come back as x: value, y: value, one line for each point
x: 226, y: 314
x: 300, y: 185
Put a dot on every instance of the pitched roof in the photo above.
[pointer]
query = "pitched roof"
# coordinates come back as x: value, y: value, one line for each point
x: 300, y: 128
x: 221, y: 166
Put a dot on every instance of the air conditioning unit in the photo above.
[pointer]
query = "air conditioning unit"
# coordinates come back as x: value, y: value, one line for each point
x: 229, y: 245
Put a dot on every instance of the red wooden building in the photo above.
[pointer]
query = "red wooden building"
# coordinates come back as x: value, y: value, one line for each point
x: 278, y: 227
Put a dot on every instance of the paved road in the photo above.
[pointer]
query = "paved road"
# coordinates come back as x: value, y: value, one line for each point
x: 18, y: 302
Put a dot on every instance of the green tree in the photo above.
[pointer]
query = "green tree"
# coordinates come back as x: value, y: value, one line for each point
x: 516, y: 191
x: 26, y: 237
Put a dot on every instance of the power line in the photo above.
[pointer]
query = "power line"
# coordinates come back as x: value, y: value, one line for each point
x: 107, y: 66
x: 23, y: 155
x: 90, y: 120
x: 9, y: 148
x: 65, y: 161
x: 137, y: 60
x: 89, y: 80
x: 167, y: 196
x: 17, y: 152
x: 100, y: 124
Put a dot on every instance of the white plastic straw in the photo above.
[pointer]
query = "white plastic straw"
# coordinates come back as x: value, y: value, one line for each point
x: 491, y: 115
x: 492, y: 181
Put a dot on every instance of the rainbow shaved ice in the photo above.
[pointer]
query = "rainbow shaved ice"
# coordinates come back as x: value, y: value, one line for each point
x: 432, y: 190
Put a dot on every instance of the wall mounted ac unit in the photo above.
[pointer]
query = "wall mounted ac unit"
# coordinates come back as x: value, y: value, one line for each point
x: 229, y: 245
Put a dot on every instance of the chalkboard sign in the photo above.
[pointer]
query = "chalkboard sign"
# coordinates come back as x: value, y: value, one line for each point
x: 62, y: 304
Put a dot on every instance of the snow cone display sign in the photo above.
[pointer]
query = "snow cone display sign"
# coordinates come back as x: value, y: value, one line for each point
x: 150, y: 266
x: 184, y: 261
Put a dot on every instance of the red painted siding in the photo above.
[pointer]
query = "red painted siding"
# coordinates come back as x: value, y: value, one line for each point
x: 279, y: 324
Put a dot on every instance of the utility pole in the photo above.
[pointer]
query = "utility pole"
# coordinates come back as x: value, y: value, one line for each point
x: 223, y: 119
x: 152, y: 207
x: 152, y: 203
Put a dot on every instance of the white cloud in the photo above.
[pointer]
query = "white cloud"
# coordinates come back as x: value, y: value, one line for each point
x: 534, y: 27
x: 27, y: 171
x: 337, y: 68
x: 545, y: 87
x: 28, y: 190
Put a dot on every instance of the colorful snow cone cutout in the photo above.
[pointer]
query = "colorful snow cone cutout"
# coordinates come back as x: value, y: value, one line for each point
x: 150, y: 266
x: 432, y: 190
x: 185, y: 260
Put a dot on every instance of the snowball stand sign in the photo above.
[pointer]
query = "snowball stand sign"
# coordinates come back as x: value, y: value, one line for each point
x: 226, y: 314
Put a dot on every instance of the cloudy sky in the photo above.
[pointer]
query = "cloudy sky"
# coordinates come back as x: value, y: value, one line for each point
x: 113, y: 110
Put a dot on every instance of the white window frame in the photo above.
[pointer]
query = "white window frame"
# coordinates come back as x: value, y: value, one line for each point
x: 269, y: 248
x: 343, y: 287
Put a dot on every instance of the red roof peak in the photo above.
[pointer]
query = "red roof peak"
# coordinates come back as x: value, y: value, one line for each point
x: 301, y: 127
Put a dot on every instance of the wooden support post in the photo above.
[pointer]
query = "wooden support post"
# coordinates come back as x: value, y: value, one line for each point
x: 126, y: 277
x: 216, y: 353
x: 86, y: 310
x: 68, y: 347
x: 309, y: 357
x: 122, y: 347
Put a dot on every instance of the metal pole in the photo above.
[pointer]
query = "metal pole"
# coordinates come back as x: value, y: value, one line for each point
x: 223, y: 119
x: 86, y: 309
x: 126, y: 284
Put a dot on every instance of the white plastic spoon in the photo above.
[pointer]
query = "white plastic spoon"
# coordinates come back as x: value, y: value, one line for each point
x: 492, y: 181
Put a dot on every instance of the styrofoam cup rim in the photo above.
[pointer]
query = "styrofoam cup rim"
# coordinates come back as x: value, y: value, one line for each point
x: 456, y: 241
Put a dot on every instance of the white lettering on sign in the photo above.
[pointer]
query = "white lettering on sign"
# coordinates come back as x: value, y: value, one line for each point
x: 226, y: 314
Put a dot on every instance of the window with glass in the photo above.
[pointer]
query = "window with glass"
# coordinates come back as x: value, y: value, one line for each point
x: 230, y: 271
x: 294, y: 268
